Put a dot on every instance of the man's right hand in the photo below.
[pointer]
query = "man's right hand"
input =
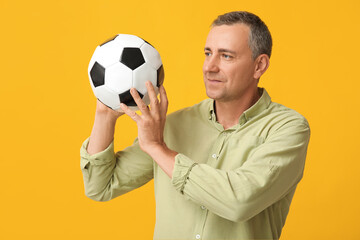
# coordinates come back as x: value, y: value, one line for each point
x: 103, y: 130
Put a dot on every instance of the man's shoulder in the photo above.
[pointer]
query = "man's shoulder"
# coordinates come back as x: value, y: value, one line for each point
x: 285, y: 114
x: 199, y: 110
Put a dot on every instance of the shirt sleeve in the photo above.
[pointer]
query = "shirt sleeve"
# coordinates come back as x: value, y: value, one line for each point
x: 108, y: 174
x: 270, y: 173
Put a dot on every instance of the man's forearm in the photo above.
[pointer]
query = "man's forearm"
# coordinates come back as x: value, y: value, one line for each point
x: 164, y: 157
x: 102, y: 133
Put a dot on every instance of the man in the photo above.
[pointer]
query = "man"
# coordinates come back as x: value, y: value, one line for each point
x: 225, y: 168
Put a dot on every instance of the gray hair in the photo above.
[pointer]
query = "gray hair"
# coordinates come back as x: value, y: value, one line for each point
x: 260, y: 41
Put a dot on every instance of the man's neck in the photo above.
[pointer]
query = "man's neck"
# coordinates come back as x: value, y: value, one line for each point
x: 229, y: 112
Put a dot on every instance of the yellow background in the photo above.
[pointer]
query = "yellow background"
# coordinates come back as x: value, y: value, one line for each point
x: 47, y: 107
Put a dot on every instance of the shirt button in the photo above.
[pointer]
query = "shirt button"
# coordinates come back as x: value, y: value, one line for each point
x: 214, y: 155
x: 197, y: 236
x: 203, y: 208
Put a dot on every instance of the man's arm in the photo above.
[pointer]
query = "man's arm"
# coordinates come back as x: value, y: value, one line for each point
x: 106, y: 174
x: 103, y: 130
x: 151, y: 127
x: 271, y: 172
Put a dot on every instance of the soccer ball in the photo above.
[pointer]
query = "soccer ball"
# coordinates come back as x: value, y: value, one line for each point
x: 123, y: 62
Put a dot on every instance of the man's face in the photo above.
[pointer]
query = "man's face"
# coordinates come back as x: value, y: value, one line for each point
x: 228, y: 67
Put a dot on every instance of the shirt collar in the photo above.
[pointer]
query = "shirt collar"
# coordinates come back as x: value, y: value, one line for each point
x: 261, y: 104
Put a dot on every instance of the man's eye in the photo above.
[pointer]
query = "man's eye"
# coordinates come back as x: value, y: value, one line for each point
x: 227, y: 56
x: 207, y: 54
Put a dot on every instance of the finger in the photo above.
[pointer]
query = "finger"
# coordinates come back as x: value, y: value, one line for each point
x: 139, y: 102
x: 163, y: 100
x: 154, y: 102
x: 130, y: 112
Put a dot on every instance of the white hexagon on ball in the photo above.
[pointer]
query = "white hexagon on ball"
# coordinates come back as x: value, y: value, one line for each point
x: 108, y: 97
x: 151, y: 56
x: 127, y: 40
x: 142, y: 74
x: 118, y: 77
x: 108, y: 54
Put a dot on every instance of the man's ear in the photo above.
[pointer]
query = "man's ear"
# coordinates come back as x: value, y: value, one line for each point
x: 261, y: 65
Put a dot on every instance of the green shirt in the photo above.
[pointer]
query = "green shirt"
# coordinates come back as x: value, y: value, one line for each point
x: 236, y: 183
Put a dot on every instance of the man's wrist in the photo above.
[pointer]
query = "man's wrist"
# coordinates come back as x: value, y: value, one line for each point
x: 108, y: 117
x: 161, y: 151
x: 157, y: 149
x: 164, y: 157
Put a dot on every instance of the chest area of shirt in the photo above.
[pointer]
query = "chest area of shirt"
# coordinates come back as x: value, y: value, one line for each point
x: 220, y: 149
x: 231, y: 150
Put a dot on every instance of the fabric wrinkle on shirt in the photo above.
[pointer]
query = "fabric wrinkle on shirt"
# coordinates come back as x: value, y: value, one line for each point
x: 236, y: 183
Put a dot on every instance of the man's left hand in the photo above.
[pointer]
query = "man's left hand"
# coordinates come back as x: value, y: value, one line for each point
x: 151, y: 125
x: 151, y: 122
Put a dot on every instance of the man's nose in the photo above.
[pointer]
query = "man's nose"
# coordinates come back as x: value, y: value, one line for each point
x: 211, y: 64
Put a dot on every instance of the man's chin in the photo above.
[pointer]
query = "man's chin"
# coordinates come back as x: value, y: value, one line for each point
x: 213, y: 95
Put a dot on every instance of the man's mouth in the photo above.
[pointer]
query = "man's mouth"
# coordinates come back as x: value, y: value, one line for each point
x: 214, y: 80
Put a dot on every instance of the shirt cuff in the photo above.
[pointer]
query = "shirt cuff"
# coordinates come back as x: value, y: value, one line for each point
x: 101, y: 158
x: 181, y: 172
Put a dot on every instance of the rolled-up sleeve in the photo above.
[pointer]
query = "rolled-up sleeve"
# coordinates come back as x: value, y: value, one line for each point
x: 104, y: 157
x: 182, y: 168
x: 108, y: 174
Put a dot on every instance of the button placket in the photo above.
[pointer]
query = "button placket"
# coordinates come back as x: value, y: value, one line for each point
x: 200, y: 225
x: 216, y: 149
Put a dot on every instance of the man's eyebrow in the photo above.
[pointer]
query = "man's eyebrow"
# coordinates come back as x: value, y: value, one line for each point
x: 226, y: 50
x: 221, y: 50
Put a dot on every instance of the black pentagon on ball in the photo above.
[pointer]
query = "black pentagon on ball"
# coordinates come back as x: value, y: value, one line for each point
x: 160, y: 76
x: 132, y: 58
x: 97, y: 74
x: 127, y: 99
